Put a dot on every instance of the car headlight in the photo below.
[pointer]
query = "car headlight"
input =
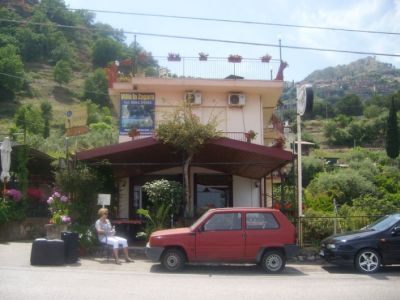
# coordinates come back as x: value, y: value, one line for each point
x: 330, y: 246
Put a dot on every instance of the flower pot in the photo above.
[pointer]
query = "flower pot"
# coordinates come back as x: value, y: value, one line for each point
x: 53, y: 231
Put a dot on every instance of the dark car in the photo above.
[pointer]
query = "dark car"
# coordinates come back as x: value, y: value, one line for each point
x: 367, y: 249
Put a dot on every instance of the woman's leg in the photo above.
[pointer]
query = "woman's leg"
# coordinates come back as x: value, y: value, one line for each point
x: 124, y: 243
x: 114, y: 241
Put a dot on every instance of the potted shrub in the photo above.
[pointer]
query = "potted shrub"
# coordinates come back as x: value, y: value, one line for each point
x: 266, y: 58
x: 60, y: 219
x: 203, y: 56
x: 250, y: 135
x: 174, y: 57
x: 234, y: 58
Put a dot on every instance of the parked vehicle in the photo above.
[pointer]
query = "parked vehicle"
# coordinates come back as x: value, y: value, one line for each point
x: 367, y: 249
x: 229, y: 235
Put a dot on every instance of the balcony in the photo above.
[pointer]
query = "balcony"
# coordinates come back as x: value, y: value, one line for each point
x: 197, y: 68
x: 238, y: 136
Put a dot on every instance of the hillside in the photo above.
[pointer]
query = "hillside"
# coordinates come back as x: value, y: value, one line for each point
x: 365, y: 77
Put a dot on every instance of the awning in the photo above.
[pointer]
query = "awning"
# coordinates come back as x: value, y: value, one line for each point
x: 229, y: 156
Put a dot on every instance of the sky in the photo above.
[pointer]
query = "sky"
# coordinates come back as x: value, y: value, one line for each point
x: 374, y: 15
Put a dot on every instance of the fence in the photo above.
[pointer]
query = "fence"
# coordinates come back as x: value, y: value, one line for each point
x: 315, y: 229
x: 217, y: 68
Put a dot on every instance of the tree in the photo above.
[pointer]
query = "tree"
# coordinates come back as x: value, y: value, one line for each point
x: 184, y: 131
x: 105, y: 50
x: 62, y: 72
x: 29, y: 119
x: 342, y: 185
x: 10, y: 64
x: 350, y: 105
x: 47, y: 114
x: 96, y: 88
x: 392, y: 133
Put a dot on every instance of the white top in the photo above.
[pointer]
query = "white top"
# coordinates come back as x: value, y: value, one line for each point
x: 106, y: 227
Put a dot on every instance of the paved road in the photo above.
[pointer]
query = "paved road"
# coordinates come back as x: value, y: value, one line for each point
x: 101, y: 279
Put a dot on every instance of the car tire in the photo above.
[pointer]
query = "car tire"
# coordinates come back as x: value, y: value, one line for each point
x: 173, y: 260
x: 273, y: 261
x: 367, y: 261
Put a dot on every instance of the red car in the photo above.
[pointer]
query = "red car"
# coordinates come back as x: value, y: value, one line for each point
x: 230, y: 235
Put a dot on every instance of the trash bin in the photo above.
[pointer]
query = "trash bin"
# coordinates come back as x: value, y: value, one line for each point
x: 71, y: 241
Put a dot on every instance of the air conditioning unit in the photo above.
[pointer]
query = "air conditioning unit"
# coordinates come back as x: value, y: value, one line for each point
x: 193, y: 98
x: 236, y: 99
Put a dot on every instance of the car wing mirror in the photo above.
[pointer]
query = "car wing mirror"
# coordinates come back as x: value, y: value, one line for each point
x: 201, y: 228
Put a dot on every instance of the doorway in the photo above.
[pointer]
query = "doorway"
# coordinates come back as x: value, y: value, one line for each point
x: 212, y: 191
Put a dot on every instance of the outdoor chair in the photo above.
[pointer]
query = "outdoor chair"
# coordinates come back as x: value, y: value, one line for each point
x: 103, y: 249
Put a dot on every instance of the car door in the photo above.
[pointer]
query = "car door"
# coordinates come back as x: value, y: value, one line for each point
x: 391, y: 245
x: 220, y: 238
x: 262, y: 230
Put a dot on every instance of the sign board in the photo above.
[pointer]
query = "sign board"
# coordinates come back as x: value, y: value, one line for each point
x: 137, y: 112
x: 77, y: 130
x: 104, y: 199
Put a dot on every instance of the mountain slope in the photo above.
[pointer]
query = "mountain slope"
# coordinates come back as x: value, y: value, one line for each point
x: 364, y: 77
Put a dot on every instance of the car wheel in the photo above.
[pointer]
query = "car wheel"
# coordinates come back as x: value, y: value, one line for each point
x: 368, y: 261
x: 173, y: 260
x: 273, y: 261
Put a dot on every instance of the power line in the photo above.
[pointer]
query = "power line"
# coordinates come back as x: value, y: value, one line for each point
x: 211, y: 40
x: 239, y: 21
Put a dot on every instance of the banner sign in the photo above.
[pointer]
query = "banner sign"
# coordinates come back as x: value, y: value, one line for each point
x: 137, y: 112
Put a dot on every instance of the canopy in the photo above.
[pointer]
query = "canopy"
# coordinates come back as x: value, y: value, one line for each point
x: 224, y: 155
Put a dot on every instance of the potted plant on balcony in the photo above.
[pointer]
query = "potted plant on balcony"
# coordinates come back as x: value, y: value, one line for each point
x: 250, y: 135
x: 203, y: 56
x: 134, y: 132
x: 234, y: 58
x: 174, y: 57
x: 266, y: 58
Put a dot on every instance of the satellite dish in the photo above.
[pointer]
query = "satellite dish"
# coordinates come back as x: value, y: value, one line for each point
x: 305, y: 99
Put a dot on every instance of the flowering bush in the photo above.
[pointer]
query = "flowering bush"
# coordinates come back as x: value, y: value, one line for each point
x: 14, y: 195
x: 34, y: 194
x: 59, y: 208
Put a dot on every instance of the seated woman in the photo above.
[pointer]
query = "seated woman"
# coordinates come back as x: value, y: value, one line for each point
x: 106, y: 234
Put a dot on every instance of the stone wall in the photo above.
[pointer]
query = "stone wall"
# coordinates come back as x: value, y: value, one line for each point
x: 30, y: 228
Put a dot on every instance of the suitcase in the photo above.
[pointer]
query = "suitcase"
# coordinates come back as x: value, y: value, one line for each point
x: 71, y: 242
x: 47, y: 252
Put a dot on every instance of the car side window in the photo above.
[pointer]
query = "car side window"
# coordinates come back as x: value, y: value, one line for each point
x: 257, y: 221
x: 224, y: 221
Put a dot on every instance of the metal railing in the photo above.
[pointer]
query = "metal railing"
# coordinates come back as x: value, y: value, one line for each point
x: 315, y: 229
x: 238, y: 136
x: 212, y: 68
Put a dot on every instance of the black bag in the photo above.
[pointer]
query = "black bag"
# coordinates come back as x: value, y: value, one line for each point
x: 71, y: 241
x: 47, y: 252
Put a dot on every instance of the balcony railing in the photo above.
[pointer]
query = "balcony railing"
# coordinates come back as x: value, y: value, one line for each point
x: 194, y: 67
x: 238, y: 136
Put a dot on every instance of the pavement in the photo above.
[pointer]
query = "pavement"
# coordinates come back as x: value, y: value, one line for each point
x: 17, y: 254
x: 98, y: 278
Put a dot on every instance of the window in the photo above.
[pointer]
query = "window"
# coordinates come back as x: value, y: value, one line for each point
x: 224, y: 221
x: 261, y: 221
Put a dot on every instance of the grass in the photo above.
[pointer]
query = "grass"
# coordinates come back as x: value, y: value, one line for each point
x: 42, y: 88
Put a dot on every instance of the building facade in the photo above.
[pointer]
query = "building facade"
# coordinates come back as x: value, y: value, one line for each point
x: 235, y: 170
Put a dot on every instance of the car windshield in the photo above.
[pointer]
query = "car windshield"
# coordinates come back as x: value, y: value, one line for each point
x: 199, y: 220
x: 384, y: 223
